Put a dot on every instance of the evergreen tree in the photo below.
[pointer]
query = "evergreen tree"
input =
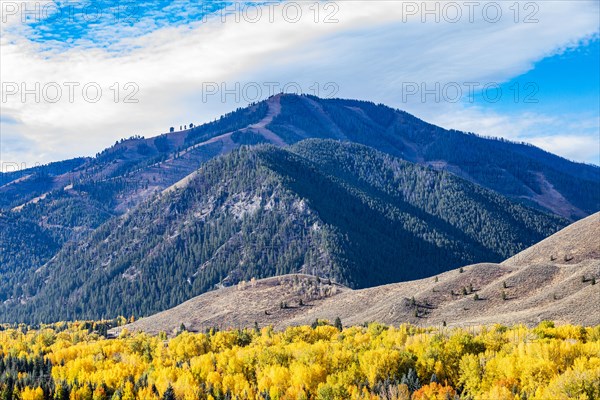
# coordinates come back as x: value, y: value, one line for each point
x: 411, y: 380
x: 169, y: 394
x: 338, y: 324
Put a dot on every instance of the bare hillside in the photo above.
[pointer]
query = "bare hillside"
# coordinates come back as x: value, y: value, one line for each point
x: 267, y: 302
x: 557, y: 279
x: 571, y: 245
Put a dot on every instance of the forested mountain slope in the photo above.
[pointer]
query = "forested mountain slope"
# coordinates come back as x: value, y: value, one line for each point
x: 43, y: 208
x: 339, y: 210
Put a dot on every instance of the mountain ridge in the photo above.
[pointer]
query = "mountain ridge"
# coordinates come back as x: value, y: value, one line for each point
x: 339, y: 209
x: 284, y: 119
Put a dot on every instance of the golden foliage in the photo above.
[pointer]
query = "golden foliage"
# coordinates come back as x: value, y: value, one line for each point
x: 320, y: 362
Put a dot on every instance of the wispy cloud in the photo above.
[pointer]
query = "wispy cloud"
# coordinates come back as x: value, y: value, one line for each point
x: 373, y: 49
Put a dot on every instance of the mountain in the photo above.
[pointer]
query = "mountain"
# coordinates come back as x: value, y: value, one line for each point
x: 340, y: 210
x: 133, y: 169
x: 535, y: 289
x: 48, y: 212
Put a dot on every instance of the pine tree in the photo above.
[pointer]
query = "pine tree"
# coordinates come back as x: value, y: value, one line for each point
x: 62, y: 393
x: 169, y: 394
x: 411, y: 380
x: 7, y: 393
x: 338, y: 324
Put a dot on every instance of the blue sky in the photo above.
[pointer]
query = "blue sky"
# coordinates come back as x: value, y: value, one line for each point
x: 566, y: 88
x: 171, y: 50
x: 105, y: 23
x: 568, y: 82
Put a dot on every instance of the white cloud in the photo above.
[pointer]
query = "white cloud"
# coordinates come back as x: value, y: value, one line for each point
x: 575, y: 137
x: 574, y: 147
x: 369, y: 53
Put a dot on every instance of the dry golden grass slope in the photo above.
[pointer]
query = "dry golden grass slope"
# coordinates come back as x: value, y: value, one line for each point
x: 552, y: 280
